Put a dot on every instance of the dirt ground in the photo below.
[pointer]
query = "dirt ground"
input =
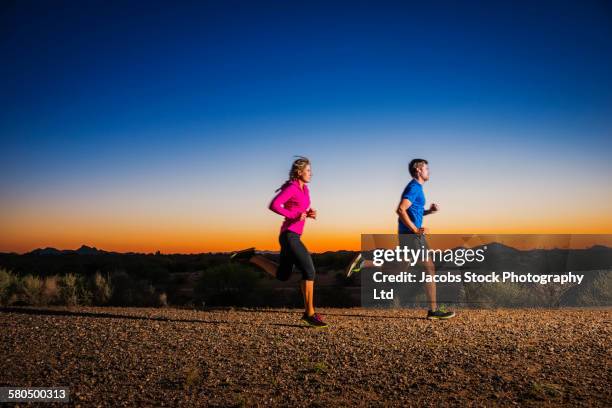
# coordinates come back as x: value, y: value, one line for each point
x: 171, y: 357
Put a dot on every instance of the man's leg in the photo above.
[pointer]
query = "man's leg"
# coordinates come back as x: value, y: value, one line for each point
x: 358, y: 262
x: 430, y: 287
x: 363, y: 259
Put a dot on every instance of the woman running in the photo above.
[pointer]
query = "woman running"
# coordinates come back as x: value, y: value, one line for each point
x: 293, y: 203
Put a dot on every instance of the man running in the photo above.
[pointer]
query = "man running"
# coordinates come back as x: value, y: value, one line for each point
x: 410, y: 211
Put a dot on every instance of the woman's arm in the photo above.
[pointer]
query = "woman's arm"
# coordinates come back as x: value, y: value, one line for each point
x: 281, y: 198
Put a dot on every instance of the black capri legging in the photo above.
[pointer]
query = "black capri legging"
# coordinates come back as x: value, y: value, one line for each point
x: 293, y: 252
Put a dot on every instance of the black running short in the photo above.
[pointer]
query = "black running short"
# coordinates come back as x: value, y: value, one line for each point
x: 293, y: 252
x: 413, y: 241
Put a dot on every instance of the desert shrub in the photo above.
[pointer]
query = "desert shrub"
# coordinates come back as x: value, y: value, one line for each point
x: 27, y: 290
x: 552, y: 293
x: 7, y: 285
x: 343, y: 280
x: 30, y: 290
x: 84, y: 292
x: 123, y: 289
x: 335, y: 296
x: 101, y: 289
x: 227, y: 285
x: 69, y: 290
x: 418, y: 299
x: 193, y: 376
x: 497, y: 295
x: 277, y: 297
x: 332, y: 260
x: 596, y: 293
x: 162, y: 300
x: 69, y: 294
x: 50, y: 293
x: 126, y: 291
x: 144, y: 294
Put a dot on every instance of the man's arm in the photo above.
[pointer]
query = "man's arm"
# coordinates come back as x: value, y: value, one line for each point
x: 403, y: 214
x: 432, y: 209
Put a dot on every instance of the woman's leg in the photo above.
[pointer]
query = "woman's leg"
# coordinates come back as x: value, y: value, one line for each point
x: 308, y: 292
x: 282, y: 270
x: 264, y: 263
x: 304, y: 262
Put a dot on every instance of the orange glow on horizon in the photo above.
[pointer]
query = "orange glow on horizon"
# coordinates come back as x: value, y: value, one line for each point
x: 191, y: 232
x: 189, y: 241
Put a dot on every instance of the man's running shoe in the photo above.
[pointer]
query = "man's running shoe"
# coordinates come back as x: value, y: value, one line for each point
x: 243, y: 255
x: 314, y: 321
x: 440, y: 314
x: 355, y: 265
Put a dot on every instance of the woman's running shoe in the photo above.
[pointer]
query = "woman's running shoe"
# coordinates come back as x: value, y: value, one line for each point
x: 355, y: 265
x: 440, y: 314
x: 243, y: 255
x: 316, y: 320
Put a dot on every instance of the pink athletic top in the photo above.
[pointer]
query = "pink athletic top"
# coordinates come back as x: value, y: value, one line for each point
x: 290, y: 202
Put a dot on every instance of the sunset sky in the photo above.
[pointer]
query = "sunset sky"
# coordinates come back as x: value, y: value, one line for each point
x: 144, y: 126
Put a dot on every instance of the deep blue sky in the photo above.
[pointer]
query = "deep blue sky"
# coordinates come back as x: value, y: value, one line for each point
x: 106, y: 95
x: 73, y: 68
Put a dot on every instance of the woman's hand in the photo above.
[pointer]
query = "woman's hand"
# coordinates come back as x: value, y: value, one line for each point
x: 303, y: 216
x: 312, y: 213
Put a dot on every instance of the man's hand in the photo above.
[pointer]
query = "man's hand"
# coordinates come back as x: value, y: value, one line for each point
x: 433, y: 208
x: 312, y: 213
x: 419, y: 231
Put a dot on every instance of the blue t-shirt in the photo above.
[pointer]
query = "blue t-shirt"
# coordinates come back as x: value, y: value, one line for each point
x: 414, y: 193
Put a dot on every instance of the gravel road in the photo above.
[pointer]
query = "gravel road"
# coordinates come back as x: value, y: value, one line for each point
x: 241, y: 357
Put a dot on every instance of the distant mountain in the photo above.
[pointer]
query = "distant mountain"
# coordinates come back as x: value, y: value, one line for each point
x: 83, y: 250
x: 599, y: 248
x: 498, y: 247
x: 45, y: 251
x: 499, y: 256
x: 495, y: 250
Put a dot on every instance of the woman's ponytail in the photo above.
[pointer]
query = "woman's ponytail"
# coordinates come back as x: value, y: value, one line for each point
x: 298, y: 165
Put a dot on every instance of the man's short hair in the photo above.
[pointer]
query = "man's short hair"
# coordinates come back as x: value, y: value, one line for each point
x: 414, y: 165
